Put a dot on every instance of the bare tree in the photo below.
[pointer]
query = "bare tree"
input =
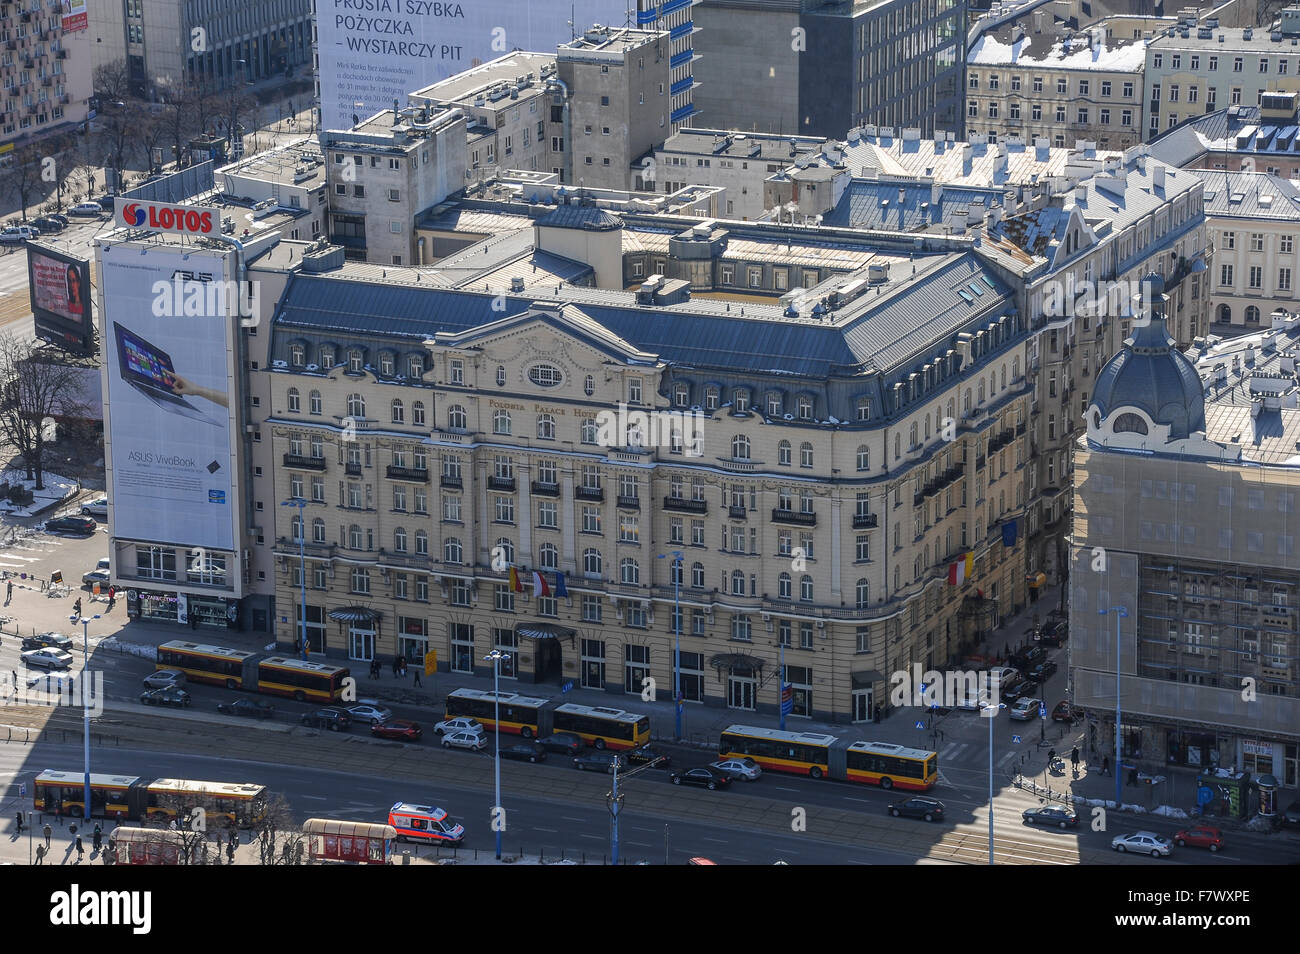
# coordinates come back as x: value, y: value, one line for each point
x: 118, y: 123
x: 236, y: 103
x: 178, y: 116
x: 24, y: 176
x: 282, y: 841
x: 82, y: 165
x: 37, y: 387
x: 153, y: 132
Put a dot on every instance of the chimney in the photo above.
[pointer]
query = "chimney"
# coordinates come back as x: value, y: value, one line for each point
x: 1158, y: 176
x: 1081, y: 193
x: 967, y: 151
x: 936, y: 192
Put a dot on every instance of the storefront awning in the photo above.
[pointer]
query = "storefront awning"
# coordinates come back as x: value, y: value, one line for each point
x: 544, y: 631
x: 736, y: 663
x: 1036, y: 580
x: 866, y: 678
x: 355, y: 614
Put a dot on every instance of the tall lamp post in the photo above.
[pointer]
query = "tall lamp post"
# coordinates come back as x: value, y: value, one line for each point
x: 497, y: 657
x: 300, y: 503
x: 677, y: 643
x: 990, y: 711
x: 85, y: 703
x: 1120, y: 613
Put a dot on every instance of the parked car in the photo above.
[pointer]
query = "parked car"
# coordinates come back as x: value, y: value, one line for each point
x: 1143, y: 842
x: 1044, y: 671
x: 51, y: 684
x: 1025, y: 659
x: 1200, y: 836
x: 459, y: 724
x: 599, y: 760
x: 918, y: 806
x: 746, y: 768
x: 47, y: 659
x: 164, y: 679
x: 16, y: 234
x: 705, y: 776
x: 96, y: 508
x: 1064, y: 712
x: 331, y: 717
x: 249, y: 708
x: 367, y: 710
x: 107, y: 203
x: 95, y: 576
x: 646, y: 754
x: 48, y: 641
x: 71, y: 524
x: 166, y: 696
x: 1053, y: 815
x: 49, y: 225
x: 1025, y: 709
x: 565, y: 743
x: 1054, y: 633
x: 403, y: 730
x: 464, y: 739
x: 1004, y: 677
x: 1021, y: 690
x: 525, y: 752
x: 58, y: 217
x: 86, y: 208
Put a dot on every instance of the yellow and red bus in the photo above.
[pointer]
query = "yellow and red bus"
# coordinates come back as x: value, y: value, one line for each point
x: 818, y: 755
x: 202, y: 663
x: 521, y: 715
x: 111, y: 796
x: 242, y: 804
x: 301, y: 679
x: 601, y: 726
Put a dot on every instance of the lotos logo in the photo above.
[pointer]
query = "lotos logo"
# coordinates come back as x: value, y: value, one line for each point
x: 161, y: 217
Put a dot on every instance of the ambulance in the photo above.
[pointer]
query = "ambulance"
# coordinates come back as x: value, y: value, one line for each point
x: 424, y: 823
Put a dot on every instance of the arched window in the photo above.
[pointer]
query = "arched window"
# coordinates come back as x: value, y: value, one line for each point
x: 399, y: 412
x: 805, y: 454
x: 1130, y: 423
x: 421, y: 543
x: 629, y: 571
x: 549, y: 556
x: 806, y: 588
x: 295, y: 401
x: 863, y: 594
x: 314, y: 403
x: 1252, y: 315
x: 399, y: 540
x: 864, y: 457
x: 501, y: 422
x: 783, y: 454
x: 783, y: 586
x: 356, y: 405
x: 740, y: 447
x: 911, y: 436
x: 318, y: 530
x: 981, y: 392
x: 501, y: 375
x: 589, y: 431
x: 1015, y: 369
x: 545, y: 427
x: 589, y: 386
x: 737, y: 583
x: 417, y: 413
x: 1003, y: 377
x: 506, y: 547
x: 456, y: 418
x: 697, y: 575
x: 1225, y: 315
x: 591, y: 563
x: 452, y: 551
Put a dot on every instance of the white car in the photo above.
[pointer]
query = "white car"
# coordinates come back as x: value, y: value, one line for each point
x: 464, y: 740
x: 164, y: 679
x: 370, y: 711
x: 1025, y: 709
x: 1143, y: 842
x: 459, y: 724
x: 47, y: 659
x: 96, y: 508
x: 49, y: 683
x: 747, y: 769
x: 19, y: 233
x: 95, y: 576
x: 86, y: 208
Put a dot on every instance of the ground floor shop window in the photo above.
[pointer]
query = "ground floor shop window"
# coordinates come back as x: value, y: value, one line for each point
x: 462, y: 646
x: 862, y: 705
x: 506, y: 641
x: 800, y: 679
x: 593, y: 664
x: 692, y: 677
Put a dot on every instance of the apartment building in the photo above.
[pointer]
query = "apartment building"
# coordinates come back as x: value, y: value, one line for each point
x: 45, y: 66
x: 813, y: 68
x: 1239, y: 138
x: 1185, y: 481
x: 1067, y: 89
x: 385, y: 171
x: 211, y: 43
x: 1254, y: 222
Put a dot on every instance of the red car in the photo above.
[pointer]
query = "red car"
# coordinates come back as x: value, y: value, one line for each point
x: 400, y: 729
x: 1201, y: 836
x: 1064, y: 713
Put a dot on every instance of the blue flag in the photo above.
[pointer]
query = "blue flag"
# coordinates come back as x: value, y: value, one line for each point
x: 1009, y: 533
x: 560, y: 588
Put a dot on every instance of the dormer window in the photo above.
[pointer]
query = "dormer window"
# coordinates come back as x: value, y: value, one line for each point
x: 711, y: 399
x: 805, y: 409
x: 386, y: 364
x: 681, y: 394
x: 297, y: 355
x: 326, y: 358
x: 457, y: 371
x: 355, y: 362
x: 864, y: 409
x: 740, y: 400
x: 773, y: 404
x: 415, y: 366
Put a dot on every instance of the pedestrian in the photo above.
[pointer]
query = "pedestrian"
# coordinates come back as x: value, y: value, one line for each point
x: 40, y: 854
x: 194, y: 620
x: 1074, y: 756
x: 9, y: 591
x: 99, y: 836
x: 403, y: 669
x: 417, y: 681
x: 47, y: 831
x: 20, y: 823
x: 72, y: 829
x: 1051, y: 758
x: 81, y: 851
x: 1105, y: 765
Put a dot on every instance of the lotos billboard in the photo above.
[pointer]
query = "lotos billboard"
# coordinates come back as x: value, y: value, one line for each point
x: 163, y: 217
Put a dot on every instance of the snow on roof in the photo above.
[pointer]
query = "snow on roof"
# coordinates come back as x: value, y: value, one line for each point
x: 1128, y: 57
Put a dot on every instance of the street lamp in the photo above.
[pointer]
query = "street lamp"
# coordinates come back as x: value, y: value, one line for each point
x: 497, y: 657
x: 300, y: 503
x: 990, y: 711
x: 1120, y: 613
x: 677, y: 644
x: 85, y: 703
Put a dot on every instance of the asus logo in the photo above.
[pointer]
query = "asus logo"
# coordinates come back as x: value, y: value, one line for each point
x: 191, y: 276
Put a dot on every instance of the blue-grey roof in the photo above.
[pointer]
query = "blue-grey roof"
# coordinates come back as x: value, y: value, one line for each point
x: 587, y: 217
x: 1255, y: 195
x: 873, y: 204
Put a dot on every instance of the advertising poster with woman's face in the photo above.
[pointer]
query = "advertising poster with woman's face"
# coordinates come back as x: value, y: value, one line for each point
x: 57, y: 288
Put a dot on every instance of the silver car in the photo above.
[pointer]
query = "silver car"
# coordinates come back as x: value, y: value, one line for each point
x: 746, y: 769
x: 164, y: 679
x: 459, y: 724
x: 47, y: 659
x: 464, y: 740
x: 1143, y: 842
x: 96, y: 508
x: 370, y: 712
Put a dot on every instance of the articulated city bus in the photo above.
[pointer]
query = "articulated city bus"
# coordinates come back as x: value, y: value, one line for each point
x: 602, y: 726
x: 201, y: 663
x: 256, y: 672
x: 818, y: 755
x: 521, y: 715
x: 140, y: 799
x: 303, y: 680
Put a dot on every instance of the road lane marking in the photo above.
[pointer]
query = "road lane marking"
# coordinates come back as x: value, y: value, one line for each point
x: 720, y: 841
x: 864, y: 801
x: 553, y: 831
x: 593, y: 837
x: 581, y: 821
x: 780, y: 789
x: 786, y: 851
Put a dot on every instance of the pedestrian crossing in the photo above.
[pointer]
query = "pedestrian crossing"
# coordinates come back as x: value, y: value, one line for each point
x: 958, y: 752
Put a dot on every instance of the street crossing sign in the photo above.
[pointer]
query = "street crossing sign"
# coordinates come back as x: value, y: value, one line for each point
x: 920, y: 724
x: 567, y: 686
x: 1015, y: 739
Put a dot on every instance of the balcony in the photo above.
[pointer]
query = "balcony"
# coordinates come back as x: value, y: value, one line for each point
x: 590, y: 493
x: 501, y: 483
x: 418, y: 475
x: 980, y: 462
x: 684, y: 505
x: 351, y: 469
x: 545, y: 489
x: 450, y: 483
x: 1020, y: 428
x: 298, y: 462
x: 736, y: 513
x: 865, y: 521
x: 628, y: 503
x: 47, y: 81
x: 794, y: 516
x: 60, y: 54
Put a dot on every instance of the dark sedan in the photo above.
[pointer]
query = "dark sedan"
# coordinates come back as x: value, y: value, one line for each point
x: 599, y: 760
x: 1055, y: 633
x: 1024, y: 689
x: 1043, y: 671
x: 170, y: 696
x: 918, y: 807
x: 646, y: 754
x: 71, y: 525
x: 1053, y: 815
x: 524, y: 752
x: 1064, y: 712
x: 564, y: 743
x: 402, y: 730
x: 704, y: 776
x: 248, y: 708
x: 331, y: 718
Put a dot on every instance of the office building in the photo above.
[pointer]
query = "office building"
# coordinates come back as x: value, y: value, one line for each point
x: 46, y: 70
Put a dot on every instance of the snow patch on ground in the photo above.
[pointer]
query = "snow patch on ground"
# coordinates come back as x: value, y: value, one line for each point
x: 56, y: 490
